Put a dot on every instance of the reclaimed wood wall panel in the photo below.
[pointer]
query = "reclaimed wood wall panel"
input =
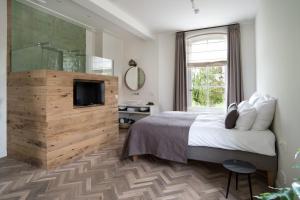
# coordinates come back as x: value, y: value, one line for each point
x: 42, y: 118
x: 26, y: 115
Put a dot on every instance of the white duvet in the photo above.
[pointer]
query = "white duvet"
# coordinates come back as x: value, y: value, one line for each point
x: 209, y: 131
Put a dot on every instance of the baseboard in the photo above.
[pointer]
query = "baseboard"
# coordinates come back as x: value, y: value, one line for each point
x: 3, y: 153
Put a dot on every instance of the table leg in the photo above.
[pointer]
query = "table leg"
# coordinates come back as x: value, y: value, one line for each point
x: 250, y: 187
x: 228, y: 184
x: 135, y: 158
x: 236, y: 181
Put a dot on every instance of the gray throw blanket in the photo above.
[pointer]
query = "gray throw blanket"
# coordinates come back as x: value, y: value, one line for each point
x: 164, y: 135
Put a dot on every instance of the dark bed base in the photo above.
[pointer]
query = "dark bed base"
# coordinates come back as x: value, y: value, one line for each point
x: 215, y: 155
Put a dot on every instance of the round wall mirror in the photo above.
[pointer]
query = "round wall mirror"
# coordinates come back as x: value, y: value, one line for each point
x: 135, y: 78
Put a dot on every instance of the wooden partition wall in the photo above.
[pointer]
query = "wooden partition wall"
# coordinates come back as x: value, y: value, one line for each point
x: 45, y: 129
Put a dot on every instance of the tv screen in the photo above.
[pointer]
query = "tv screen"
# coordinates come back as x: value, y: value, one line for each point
x: 88, y: 93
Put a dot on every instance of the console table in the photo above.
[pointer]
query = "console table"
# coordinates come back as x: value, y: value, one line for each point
x: 136, y: 112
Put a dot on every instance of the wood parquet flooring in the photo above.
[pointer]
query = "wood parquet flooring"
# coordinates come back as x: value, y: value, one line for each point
x: 102, y: 176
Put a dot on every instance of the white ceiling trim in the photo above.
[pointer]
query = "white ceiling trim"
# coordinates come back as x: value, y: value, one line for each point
x: 110, y: 12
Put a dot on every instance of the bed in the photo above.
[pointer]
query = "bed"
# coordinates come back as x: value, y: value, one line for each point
x: 180, y: 136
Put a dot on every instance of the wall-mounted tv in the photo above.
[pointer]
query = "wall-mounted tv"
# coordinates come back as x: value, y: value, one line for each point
x: 88, y: 92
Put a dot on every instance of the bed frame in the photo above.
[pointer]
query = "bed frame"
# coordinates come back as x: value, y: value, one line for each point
x: 216, y: 155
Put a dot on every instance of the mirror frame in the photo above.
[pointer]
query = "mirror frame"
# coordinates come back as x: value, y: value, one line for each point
x: 126, y: 82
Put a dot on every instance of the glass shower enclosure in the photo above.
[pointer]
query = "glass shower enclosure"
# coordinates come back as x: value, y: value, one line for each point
x: 44, y: 56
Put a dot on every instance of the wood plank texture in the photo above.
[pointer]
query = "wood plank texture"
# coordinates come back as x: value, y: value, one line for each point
x: 45, y: 129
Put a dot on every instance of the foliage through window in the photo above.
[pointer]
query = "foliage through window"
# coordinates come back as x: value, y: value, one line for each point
x: 206, y: 64
x: 208, y: 86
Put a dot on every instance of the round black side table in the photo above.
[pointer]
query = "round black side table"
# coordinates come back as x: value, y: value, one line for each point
x: 239, y: 167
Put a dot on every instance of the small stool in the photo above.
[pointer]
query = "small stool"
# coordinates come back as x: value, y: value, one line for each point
x: 239, y: 167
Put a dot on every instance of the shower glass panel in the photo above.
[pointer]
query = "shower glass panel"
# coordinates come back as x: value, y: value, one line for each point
x: 47, y: 57
x: 36, y: 57
x: 73, y: 61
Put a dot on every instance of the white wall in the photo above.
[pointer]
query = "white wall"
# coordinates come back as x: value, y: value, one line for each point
x: 166, y: 63
x: 166, y: 70
x: 145, y: 53
x: 90, y: 42
x: 248, y: 57
x: 98, y: 43
x: 278, y: 54
x: 113, y: 48
x: 3, y: 45
x: 121, y: 50
x: 157, y: 59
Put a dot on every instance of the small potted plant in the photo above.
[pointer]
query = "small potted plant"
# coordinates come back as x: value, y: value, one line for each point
x: 287, y: 193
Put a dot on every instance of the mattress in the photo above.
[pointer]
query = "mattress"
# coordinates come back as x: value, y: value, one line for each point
x: 208, y: 131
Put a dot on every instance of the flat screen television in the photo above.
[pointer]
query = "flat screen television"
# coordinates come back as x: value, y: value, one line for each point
x: 88, y: 93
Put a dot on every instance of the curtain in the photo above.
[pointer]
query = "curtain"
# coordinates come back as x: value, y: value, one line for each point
x: 234, y: 76
x: 180, y: 93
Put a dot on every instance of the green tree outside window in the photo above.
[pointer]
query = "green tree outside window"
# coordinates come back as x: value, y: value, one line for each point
x: 208, y: 86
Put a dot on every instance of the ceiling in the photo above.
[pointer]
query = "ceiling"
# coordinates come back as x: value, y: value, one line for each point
x: 176, y: 15
x: 72, y: 12
x: 145, y: 18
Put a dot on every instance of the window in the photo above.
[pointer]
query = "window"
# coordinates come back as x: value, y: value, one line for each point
x: 206, y: 65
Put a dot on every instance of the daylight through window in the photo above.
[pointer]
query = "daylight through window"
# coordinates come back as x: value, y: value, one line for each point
x: 206, y: 65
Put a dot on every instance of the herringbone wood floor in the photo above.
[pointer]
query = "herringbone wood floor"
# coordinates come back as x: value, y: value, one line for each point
x: 100, y: 175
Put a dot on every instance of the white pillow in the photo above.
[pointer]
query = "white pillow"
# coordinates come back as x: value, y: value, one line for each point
x: 265, y: 109
x: 247, y: 116
x: 242, y: 105
x: 254, y: 98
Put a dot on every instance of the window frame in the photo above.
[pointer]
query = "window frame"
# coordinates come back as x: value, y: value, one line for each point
x: 206, y: 65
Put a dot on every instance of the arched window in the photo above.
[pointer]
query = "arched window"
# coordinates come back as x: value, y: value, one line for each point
x: 206, y: 65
